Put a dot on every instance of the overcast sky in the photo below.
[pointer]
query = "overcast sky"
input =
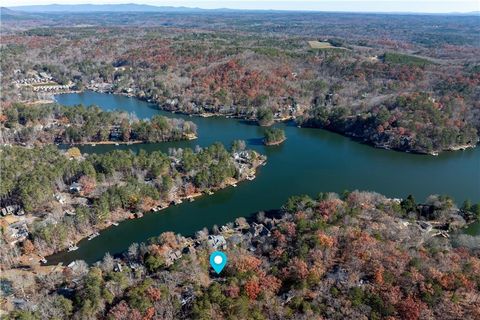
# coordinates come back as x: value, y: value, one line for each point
x: 432, y: 6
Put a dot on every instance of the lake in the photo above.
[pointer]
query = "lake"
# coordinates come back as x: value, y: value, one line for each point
x: 308, y: 162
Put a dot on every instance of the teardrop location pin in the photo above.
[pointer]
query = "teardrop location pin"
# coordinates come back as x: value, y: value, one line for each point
x: 218, y: 260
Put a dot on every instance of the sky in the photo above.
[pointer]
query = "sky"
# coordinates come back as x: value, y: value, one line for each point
x: 430, y: 6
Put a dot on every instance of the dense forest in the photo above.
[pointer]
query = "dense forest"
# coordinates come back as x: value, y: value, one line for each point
x: 358, y: 256
x: 409, y: 122
x: 274, y: 136
x: 47, y: 124
x: 391, y: 81
x: 404, y: 82
x: 68, y: 196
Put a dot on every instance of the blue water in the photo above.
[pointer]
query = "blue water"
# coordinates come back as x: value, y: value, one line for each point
x: 308, y: 162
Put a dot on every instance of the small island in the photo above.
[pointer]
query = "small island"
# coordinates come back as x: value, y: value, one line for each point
x: 274, y: 136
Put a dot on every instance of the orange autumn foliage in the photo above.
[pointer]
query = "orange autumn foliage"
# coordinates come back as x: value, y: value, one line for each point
x: 154, y: 294
x: 324, y: 240
x: 410, y: 308
x: 149, y: 314
x: 247, y: 263
x: 252, y: 289
x: 88, y: 184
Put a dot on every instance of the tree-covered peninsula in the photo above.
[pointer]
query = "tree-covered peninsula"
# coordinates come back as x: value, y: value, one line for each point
x: 53, y: 123
x: 52, y: 198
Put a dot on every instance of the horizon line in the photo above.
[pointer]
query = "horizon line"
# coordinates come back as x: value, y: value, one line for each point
x: 18, y: 8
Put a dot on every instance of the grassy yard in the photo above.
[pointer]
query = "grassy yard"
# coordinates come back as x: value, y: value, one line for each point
x: 399, y: 58
x: 315, y: 44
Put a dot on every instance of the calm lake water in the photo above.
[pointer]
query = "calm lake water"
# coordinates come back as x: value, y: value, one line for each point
x: 308, y: 162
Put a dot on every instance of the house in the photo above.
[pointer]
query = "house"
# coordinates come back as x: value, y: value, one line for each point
x: 217, y: 242
x: 18, y: 231
x: 338, y: 275
x: 287, y: 297
x: 12, y: 209
x: 201, y: 235
x: 172, y: 256
x: 241, y: 223
x: 44, y: 75
x: 60, y: 198
x: 118, y: 267
x: 271, y: 223
x: 134, y: 265
x: 187, y: 296
x: 189, y: 250
x: 235, y: 239
x: 75, y: 187
x: 70, y: 212
x: 243, y: 156
x: 259, y: 229
x: 225, y: 229
x: 425, y: 226
x: 116, y: 133
x: 176, y: 202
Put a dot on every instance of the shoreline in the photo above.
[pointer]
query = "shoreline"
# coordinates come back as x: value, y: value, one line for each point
x: 435, y: 231
x: 94, y: 143
x: 389, y: 148
x: 109, y: 142
x: 240, y: 117
x: 91, y: 143
x: 162, y: 205
x: 283, y: 119
x: 274, y: 143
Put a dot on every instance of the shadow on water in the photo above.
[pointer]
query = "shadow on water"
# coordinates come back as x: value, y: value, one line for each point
x: 290, y: 123
x: 255, y: 142
x: 248, y: 122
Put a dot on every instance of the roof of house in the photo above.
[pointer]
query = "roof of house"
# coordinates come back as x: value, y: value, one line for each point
x: 75, y: 185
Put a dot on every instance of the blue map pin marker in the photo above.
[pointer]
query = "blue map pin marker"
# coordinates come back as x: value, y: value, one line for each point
x: 218, y: 260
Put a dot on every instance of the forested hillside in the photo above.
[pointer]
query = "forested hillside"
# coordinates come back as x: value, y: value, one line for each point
x: 405, y: 82
x: 359, y: 256
x: 390, y: 81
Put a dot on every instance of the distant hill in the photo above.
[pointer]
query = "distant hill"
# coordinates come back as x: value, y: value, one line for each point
x: 133, y: 7
x: 129, y: 7
x: 9, y: 14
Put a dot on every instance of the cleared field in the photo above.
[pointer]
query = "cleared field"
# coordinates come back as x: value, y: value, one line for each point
x: 320, y: 44
x: 314, y: 44
x: 399, y: 58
